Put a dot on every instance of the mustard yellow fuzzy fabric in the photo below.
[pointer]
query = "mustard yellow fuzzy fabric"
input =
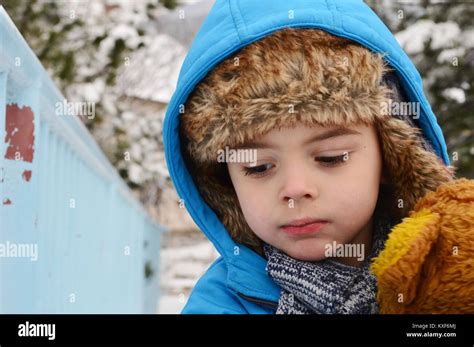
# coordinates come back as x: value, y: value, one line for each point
x: 427, y: 265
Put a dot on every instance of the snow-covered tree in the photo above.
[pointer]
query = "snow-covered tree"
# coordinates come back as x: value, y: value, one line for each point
x: 84, y: 45
x: 439, y: 37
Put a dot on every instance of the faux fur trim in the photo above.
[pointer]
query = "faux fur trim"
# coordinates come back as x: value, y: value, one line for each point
x: 412, y: 170
x: 298, y: 76
x: 292, y: 76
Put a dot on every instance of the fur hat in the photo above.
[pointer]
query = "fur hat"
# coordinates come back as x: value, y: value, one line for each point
x: 300, y: 76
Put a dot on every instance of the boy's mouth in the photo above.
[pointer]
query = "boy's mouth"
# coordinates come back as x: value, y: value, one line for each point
x: 303, y: 226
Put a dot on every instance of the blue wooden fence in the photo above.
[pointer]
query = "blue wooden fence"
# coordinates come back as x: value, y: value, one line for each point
x: 72, y: 237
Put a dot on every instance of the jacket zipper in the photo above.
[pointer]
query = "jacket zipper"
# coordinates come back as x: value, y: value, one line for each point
x: 258, y: 301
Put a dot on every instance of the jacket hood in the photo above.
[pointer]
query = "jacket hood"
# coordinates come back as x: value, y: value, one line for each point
x: 234, y: 24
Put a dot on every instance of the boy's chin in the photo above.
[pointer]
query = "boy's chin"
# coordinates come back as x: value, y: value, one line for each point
x: 306, y: 255
x: 310, y: 250
x: 310, y: 258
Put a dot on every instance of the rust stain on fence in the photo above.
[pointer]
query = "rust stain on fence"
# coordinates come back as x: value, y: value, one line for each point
x: 19, y: 127
x: 26, y: 175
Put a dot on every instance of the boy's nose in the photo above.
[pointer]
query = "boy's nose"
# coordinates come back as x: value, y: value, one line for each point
x: 298, y: 185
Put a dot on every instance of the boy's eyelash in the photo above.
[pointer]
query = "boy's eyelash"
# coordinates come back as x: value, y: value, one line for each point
x: 334, y: 160
x: 255, y: 170
x: 326, y: 161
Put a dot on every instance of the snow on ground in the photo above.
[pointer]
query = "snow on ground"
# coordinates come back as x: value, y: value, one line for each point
x: 185, y: 257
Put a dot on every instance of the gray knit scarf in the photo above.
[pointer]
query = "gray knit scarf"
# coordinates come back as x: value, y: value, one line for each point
x: 327, y: 286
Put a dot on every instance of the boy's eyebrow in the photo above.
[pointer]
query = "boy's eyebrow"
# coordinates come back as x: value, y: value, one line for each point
x: 340, y: 131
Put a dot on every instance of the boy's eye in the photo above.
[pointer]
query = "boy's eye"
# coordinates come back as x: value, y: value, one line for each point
x: 261, y: 170
x: 257, y: 170
x: 333, y: 161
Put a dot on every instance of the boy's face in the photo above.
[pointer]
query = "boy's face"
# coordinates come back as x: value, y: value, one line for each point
x: 331, y: 174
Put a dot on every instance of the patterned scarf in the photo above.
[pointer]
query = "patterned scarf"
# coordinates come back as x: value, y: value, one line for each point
x: 327, y: 286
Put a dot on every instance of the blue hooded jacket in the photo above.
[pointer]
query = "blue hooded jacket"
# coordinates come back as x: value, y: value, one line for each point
x: 237, y: 281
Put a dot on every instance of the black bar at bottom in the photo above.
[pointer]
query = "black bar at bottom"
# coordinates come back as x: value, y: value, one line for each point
x: 138, y: 329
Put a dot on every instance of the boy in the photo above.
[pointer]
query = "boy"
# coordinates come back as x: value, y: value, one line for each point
x: 311, y: 91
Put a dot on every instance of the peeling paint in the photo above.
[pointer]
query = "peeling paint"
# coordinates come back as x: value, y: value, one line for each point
x: 26, y: 175
x: 20, y: 136
x: 7, y: 201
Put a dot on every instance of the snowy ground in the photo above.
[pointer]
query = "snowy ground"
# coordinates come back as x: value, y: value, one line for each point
x: 185, y: 257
